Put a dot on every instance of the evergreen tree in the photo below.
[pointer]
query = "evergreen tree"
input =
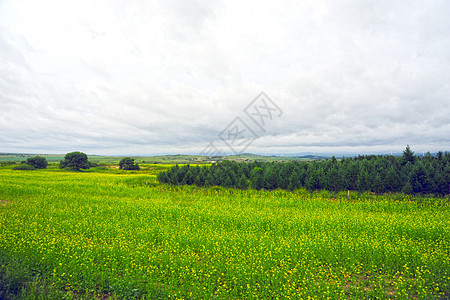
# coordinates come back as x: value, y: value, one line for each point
x: 410, y: 174
x: 162, y: 177
x: 198, y: 180
x: 181, y: 173
x: 363, y: 181
x: 294, y: 180
x: 242, y: 183
x: 227, y: 182
x: 351, y: 175
x: 392, y: 181
x: 418, y: 178
x: 256, y: 178
x: 188, y: 178
x: 407, y: 188
x: 378, y: 184
x: 283, y: 178
x: 447, y: 177
x: 314, y: 178
x: 218, y: 177
x: 332, y: 181
x: 440, y: 183
x: 209, y: 181
x: 270, y: 178
x: 408, y: 156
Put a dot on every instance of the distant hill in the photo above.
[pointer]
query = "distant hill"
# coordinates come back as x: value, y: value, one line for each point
x: 312, y: 157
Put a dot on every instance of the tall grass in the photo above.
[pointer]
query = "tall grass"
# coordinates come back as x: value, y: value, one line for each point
x: 103, y: 235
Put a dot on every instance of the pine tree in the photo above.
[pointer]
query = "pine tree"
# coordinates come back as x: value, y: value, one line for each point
x: 407, y: 188
x: 392, y: 180
x: 378, y: 184
x: 209, y: 180
x: 256, y: 178
x: 332, y: 179
x: 242, y: 183
x: 188, y: 178
x: 294, y: 180
x: 408, y: 156
x: 283, y: 178
x: 270, y: 178
x: 314, y: 178
x: 162, y: 177
x: 351, y: 175
x: 363, y: 181
x: 418, y: 179
x: 198, y: 180
x: 227, y: 182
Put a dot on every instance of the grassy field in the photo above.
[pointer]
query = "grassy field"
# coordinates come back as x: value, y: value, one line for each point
x: 108, y: 234
x: 161, y: 159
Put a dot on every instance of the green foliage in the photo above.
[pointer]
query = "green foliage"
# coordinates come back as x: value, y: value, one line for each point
x: 256, y: 178
x: 75, y: 160
x: 378, y: 174
x: 38, y: 162
x: 408, y: 155
x: 242, y: 183
x: 25, y: 167
x: 127, y: 163
x: 110, y: 236
x: 13, y: 275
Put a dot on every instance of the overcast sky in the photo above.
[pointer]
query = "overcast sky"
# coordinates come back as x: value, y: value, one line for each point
x: 171, y: 76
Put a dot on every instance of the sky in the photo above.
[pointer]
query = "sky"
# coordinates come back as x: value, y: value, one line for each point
x: 118, y: 77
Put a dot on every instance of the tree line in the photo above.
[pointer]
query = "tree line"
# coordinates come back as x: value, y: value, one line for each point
x: 73, y: 161
x: 409, y: 174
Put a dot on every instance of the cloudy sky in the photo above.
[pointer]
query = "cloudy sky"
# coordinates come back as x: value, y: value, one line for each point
x: 171, y: 76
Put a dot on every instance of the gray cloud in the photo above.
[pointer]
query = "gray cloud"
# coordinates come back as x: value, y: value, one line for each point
x: 169, y: 76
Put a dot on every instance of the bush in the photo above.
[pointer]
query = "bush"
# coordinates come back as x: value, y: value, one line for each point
x: 75, y: 160
x: 24, y: 167
x: 38, y: 162
x: 127, y: 163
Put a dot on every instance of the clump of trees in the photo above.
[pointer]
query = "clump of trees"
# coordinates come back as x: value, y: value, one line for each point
x: 127, y: 163
x: 38, y: 162
x: 33, y: 163
x: 408, y: 174
x: 75, y: 160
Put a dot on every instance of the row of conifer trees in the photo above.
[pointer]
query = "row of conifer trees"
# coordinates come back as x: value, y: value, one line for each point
x: 409, y: 174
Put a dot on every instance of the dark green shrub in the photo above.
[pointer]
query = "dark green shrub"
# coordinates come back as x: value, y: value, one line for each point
x: 75, y: 160
x: 25, y: 167
x: 38, y: 162
x: 127, y: 163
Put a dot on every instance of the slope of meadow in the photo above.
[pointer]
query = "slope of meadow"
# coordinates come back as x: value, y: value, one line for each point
x: 102, y: 235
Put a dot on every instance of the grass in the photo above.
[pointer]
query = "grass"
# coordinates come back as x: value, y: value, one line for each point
x: 11, y: 158
x: 106, y: 234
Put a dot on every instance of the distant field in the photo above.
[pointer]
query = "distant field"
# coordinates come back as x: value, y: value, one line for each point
x: 106, y: 234
x: 57, y: 158
x: 165, y: 159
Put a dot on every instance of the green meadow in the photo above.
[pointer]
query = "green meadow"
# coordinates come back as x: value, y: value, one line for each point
x: 113, y: 234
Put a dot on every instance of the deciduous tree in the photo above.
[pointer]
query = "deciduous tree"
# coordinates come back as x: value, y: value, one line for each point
x: 75, y: 160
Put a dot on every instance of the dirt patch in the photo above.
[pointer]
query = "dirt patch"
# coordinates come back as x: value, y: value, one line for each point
x: 364, y: 282
x: 5, y: 202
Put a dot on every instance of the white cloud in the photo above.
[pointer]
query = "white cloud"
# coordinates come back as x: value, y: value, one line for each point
x: 143, y: 77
